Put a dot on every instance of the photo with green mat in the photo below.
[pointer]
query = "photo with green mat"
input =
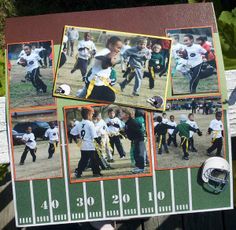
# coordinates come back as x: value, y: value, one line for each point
x: 30, y: 74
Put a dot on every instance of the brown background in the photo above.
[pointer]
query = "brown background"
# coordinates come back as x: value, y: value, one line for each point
x: 147, y: 20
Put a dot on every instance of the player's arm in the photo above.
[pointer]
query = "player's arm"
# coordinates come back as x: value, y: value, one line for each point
x: 21, y: 61
x: 93, y: 132
x: 169, y: 126
x: 195, y: 130
x: 176, y: 130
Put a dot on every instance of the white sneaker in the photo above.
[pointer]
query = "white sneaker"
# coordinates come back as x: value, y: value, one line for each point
x: 137, y: 170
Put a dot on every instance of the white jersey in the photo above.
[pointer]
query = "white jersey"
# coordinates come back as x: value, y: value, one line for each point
x: 101, y: 128
x: 89, y: 47
x: 194, y: 125
x: 32, y: 61
x: 30, y: 140
x: 52, y: 134
x: 87, y: 132
x: 114, y: 125
x: 73, y: 35
x: 217, y: 128
x: 165, y: 120
x: 195, y: 53
x: 36, y: 51
x: 172, y: 123
x: 76, y: 122
x: 175, y: 48
x: 98, y: 73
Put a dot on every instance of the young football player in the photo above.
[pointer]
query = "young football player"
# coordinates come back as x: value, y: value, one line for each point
x: 171, y: 138
x: 30, y: 145
x: 52, y: 134
x: 135, y: 135
x: 216, y: 131
x: 87, y: 133
x: 184, y: 130
x: 123, y: 49
x: 155, y: 64
x: 30, y: 60
x: 137, y: 56
x: 194, y: 125
x: 114, y: 126
x: 86, y: 50
x: 160, y: 130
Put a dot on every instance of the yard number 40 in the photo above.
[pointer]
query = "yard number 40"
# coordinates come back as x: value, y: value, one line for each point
x: 54, y: 204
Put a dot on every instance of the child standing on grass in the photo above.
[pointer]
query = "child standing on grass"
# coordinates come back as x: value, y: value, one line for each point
x: 172, y: 138
x: 183, y: 128
x: 160, y: 131
x: 30, y: 145
x: 53, y: 135
x: 194, y: 125
x: 86, y: 50
x: 135, y: 135
x: 155, y: 64
x: 137, y: 57
x: 114, y: 126
x: 216, y: 131
x: 87, y: 133
x: 123, y: 49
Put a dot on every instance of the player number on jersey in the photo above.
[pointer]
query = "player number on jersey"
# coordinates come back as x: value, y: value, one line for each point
x: 54, y: 204
x: 80, y: 201
x: 125, y: 199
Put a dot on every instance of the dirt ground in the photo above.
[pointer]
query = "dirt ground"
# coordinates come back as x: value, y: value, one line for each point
x: 75, y: 81
x: 42, y: 168
x: 174, y: 158
x: 121, y: 166
x: 23, y: 94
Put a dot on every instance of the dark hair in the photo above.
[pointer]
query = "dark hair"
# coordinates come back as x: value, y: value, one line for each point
x: 86, y: 34
x: 190, y: 114
x: 139, y: 113
x: 126, y: 39
x: 159, y: 119
x: 126, y: 111
x: 110, y: 110
x: 201, y: 39
x: 96, y: 113
x: 163, y: 114
x: 172, y: 116
x: 176, y: 37
x: 29, y: 45
x: 190, y: 36
x: 112, y: 41
x: 85, y: 112
x: 218, y: 114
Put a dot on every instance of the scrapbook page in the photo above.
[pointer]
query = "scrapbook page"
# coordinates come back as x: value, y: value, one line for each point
x: 83, y: 157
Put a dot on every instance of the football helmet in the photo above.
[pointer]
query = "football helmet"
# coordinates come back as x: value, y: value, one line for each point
x: 215, y: 174
x: 63, y: 89
x: 156, y: 101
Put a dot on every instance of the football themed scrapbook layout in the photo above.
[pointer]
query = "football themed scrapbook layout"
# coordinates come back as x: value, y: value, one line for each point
x: 113, y: 115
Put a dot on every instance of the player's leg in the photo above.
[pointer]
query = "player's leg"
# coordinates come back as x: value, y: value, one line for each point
x: 164, y: 144
x: 212, y: 147
x: 184, y: 142
x: 119, y: 146
x: 174, y: 141
x: 159, y: 144
x: 193, y: 147
x: 51, y: 150
x: 195, y: 72
x: 32, y: 152
x: 151, y: 74
x: 112, y: 143
x: 169, y: 140
x: 24, y: 154
x: 191, y: 144
x: 40, y: 84
x: 71, y: 48
x: 138, y: 81
x: 108, y: 149
x: 128, y: 75
x: 83, y: 68
x: 95, y: 163
x: 219, y: 146
x: 76, y: 65
x: 139, y: 149
x: 83, y: 162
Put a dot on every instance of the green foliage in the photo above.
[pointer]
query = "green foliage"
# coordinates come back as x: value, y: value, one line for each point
x: 227, y: 30
x: 2, y: 74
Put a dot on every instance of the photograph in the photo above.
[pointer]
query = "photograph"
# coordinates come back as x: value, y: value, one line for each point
x: 107, y: 142
x: 188, y: 132
x: 36, y: 147
x: 193, y: 61
x: 30, y: 74
x: 113, y: 67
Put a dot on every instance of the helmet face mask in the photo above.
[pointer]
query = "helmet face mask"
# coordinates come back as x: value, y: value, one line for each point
x: 217, y: 180
x: 215, y: 174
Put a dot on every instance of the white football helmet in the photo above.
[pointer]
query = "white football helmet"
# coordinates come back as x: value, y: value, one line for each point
x: 63, y: 89
x: 215, y: 174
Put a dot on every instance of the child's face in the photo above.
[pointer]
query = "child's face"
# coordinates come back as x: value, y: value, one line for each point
x: 172, y: 119
x: 111, y: 114
x: 27, y: 50
x: 142, y: 45
x: 127, y: 42
x: 188, y: 41
x: 157, y: 49
x: 218, y: 117
x: 164, y: 115
x: 29, y: 130
x: 199, y: 42
x: 191, y: 118
x: 87, y: 37
x: 125, y: 116
x: 90, y: 115
x: 116, y: 47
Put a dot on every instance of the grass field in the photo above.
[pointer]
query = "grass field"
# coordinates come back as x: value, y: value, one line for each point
x: 43, y: 167
x: 23, y: 94
x: 174, y: 158
x: 121, y: 166
x: 75, y: 81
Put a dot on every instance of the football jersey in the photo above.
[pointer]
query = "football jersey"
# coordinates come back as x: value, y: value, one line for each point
x: 52, y: 134
x: 101, y: 127
x: 165, y: 120
x: 217, y: 127
x: 32, y: 61
x: 111, y: 128
x: 175, y: 48
x: 86, y: 53
x: 172, y: 123
x: 30, y: 140
x: 195, y: 53
x: 87, y: 132
x: 194, y: 125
